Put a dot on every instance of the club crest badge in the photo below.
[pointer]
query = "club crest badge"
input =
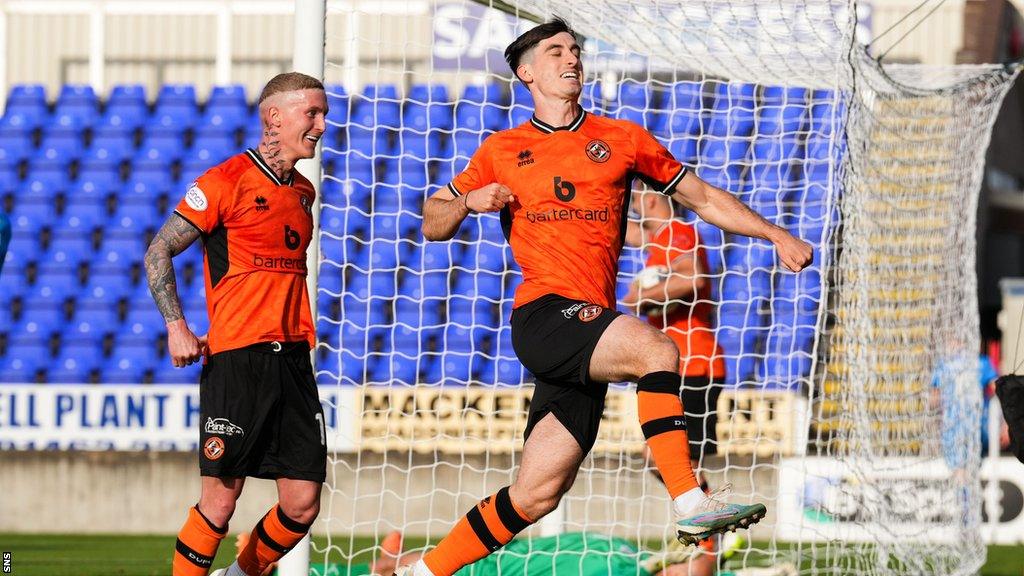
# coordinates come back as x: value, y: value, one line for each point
x: 598, y: 151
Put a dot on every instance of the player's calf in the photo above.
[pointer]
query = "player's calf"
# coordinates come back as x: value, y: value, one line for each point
x: 484, y: 529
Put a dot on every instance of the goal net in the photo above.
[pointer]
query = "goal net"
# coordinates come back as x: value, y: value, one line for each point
x: 850, y: 403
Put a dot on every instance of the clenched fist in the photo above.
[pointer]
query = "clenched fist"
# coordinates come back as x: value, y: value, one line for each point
x: 490, y: 198
x: 793, y: 252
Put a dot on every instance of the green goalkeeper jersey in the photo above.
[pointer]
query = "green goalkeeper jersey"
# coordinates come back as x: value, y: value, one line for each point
x: 572, y: 554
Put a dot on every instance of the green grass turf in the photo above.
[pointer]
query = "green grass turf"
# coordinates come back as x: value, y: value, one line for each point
x: 106, y: 555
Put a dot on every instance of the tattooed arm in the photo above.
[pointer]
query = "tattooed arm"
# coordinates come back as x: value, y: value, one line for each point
x: 174, y: 237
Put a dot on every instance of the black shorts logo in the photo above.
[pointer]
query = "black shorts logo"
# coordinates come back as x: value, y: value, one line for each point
x: 213, y: 449
x: 598, y: 151
x: 589, y: 313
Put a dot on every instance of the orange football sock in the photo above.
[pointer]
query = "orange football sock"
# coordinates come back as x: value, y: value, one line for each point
x: 271, y: 539
x: 487, y: 527
x: 664, y: 427
x: 197, y: 545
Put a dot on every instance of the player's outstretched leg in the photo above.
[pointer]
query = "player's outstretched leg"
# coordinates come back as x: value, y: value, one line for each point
x: 551, y: 458
x: 630, y: 349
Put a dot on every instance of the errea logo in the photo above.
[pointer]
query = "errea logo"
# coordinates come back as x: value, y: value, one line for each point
x: 261, y: 204
x: 525, y: 157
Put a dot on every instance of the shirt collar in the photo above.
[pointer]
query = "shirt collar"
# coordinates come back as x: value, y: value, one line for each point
x: 262, y: 165
x: 549, y: 129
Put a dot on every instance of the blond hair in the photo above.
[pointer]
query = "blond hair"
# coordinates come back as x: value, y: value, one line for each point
x: 289, y: 82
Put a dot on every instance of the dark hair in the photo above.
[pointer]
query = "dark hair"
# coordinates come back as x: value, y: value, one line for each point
x: 289, y: 82
x: 529, y: 39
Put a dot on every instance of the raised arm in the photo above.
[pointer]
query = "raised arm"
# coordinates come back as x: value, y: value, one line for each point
x: 718, y: 207
x: 444, y: 212
x: 174, y: 237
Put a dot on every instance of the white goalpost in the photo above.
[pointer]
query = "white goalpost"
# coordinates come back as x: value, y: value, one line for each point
x: 850, y: 402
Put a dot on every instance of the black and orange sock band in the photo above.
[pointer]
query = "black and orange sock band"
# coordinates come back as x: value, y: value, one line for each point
x: 484, y: 529
x: 664, y: 427
x: 273, y: 537
x: 197, y: 545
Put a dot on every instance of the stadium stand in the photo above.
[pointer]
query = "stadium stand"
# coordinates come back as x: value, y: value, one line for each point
x: 87, y: 182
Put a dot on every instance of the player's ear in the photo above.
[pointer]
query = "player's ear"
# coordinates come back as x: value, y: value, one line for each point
x: 525, y: 73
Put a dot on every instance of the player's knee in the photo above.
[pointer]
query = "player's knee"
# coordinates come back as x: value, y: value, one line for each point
x: 218, y: 508
x: 662, y: 355
x: 303, y: 511
x: 540, y: 500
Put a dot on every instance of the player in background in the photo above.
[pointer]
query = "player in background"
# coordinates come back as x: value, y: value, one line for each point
x: 674, y: 292
x: 260, y: 413
x: 561, y: 182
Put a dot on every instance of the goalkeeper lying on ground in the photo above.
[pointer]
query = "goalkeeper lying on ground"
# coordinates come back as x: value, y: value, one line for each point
x: 571, y: 554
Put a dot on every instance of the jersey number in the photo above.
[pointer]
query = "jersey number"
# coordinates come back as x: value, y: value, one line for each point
x: 291, y: 238
x: 564, y: 190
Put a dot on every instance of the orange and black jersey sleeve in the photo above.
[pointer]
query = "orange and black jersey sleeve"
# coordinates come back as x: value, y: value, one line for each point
x: 652, y: 162
x: 208, y: 202
x: 478, y: 173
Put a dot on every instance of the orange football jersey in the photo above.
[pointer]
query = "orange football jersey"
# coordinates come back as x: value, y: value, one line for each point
x: 689, y: 326
x: 255, y: 231
x: 571, y: 186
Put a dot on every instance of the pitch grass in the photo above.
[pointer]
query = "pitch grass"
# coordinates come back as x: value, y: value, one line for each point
x: 106, y: 555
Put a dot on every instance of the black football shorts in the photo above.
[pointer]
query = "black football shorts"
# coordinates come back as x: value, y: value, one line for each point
x: 260, y: 414
x: 554, y: 337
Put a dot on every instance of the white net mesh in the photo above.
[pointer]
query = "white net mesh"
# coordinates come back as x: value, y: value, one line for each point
x: 828, y: 405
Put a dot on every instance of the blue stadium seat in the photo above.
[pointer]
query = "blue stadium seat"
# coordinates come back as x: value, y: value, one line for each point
x: 783, y: 111
x: 16, y: 146
x: 491, y: 92
x: 166, y: 145
x: 176, y: 94
x: 431, y: 285
x: 45, y: 180
x: 54, y: 284
x: 143, y: 320
x: 421, y: 145
x: 119, y: 141
x: 79, y: 101
x: 129, y: 362
x: 122, y: 119
x: 221, y: 121
x: 509, y: 371
x: 23, y: 251
x: 428, y: 108
x: 360, y: 311
x: 337, y: 104
x: 77, y: 94
x: 367, y: 140
x: 127, y: 94
x: 480, y: 117
x: 110, y: 286
x: 166, y: 373
x: 30, y: 216
x: 227, y: 96
x: 134, y: 216
x: 490, y: 257
x: 26, y: 356
x: 147, y: 184
x: 26, y: 106
x: 65, y: 125
x: 117, y: 252
x: 79, y: 222
x: 212, y: 149
x: 521, y: 104
x: 70, y: 252
x: 455, y: 368
x: 197, y: 316
x: 93, y: 319
x: 12, y: 282
x: 41, y: 318
x: 379, y: 106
